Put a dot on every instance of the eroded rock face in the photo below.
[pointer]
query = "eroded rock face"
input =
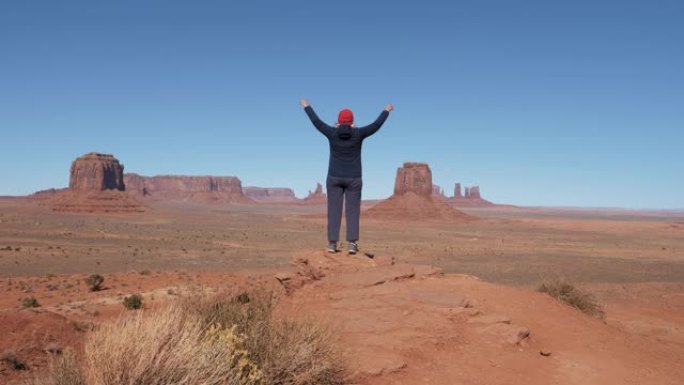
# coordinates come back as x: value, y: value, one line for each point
x: 209, y: 189
x: 96, y: 185
x: 457, y: 191
x: 317, y: 196
x: 437, y: 191
x: 415, y: 178
x: 270, y: 194
x: 473, y: 192
x: 415, y: 198
x: 96, y: 172
x: 471, y: 198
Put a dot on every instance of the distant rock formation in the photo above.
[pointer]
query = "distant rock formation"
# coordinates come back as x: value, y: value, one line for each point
x: 472, y: 197
x: 473, y: 192
x: 457, y: 191
x: 413, y: 177
x: 96, y: 172
x: 270, y: 194
x: 316, y: 197
x: 438, y: 192
x: 413, y: 198
x: 96, y: 184
x: 203, y: 189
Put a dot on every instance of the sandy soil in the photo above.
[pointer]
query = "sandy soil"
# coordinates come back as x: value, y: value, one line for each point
x: 427, y: 328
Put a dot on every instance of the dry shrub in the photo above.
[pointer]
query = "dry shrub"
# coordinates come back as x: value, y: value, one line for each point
x: 133, y: 302
x: 65, y: 369
x: 165, y: 347
x: 95, y: 282
x: 288, y: 352
x: 204, y: 341
x: 567, y: 293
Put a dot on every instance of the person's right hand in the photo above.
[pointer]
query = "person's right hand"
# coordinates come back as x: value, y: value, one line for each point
x: 304, y: 103
x: 389, y: 108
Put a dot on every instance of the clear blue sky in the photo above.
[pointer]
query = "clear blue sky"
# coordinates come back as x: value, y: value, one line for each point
x: 564, y: 103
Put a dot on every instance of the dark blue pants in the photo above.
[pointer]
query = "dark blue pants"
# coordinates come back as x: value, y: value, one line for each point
x: 347, y: 190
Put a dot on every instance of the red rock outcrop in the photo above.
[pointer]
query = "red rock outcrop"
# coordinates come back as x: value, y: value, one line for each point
x: 473, y: 192
x: 270, y: 194
x: 438, y: 192
x: 204, y: 189
x: 96, y: 172
x: 316, y: 197
x: 96, y: 184
x: 472, y: 197
x: 413, y: 198
x: 414, y: 177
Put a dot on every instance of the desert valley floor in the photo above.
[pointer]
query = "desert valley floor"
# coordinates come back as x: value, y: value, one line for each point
x: 401, y: 320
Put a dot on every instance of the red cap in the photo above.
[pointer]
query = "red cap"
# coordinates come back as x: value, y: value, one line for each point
x: 346, y: 116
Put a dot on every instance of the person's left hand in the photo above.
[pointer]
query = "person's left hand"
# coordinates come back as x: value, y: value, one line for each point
x: 304, y: 103
x: 389, y: 108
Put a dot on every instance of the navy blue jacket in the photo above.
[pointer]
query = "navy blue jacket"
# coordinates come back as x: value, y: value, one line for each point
x: 345, y: 144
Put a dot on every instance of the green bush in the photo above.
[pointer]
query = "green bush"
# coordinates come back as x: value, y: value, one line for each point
x: 133, y: 302
x: 30, y: 302
x: 95, y: 282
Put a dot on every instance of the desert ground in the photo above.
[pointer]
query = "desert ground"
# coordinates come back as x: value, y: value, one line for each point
x: 439, y: 303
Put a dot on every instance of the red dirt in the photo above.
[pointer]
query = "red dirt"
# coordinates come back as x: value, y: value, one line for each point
x: 106, y: 201
x: 407, y: 324
x: 411, y: 206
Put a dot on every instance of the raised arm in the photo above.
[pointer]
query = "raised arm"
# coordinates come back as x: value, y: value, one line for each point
x: 317, y: 122
x: 372, y: 128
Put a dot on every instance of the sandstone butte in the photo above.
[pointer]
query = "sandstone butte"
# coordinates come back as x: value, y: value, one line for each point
x: 413, y: 198
x: 96, y: 184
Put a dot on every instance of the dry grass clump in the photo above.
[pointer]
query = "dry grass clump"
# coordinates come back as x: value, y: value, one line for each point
x: 287, y: 352
x: 204, y: 340
x: 64, y: 370
x: 166, y: 347
x: 569, y: 294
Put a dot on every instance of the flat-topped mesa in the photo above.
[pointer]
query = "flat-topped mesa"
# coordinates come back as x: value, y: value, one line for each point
x: 415, y: 178
x: 216, y: 189
x: 270, y: 194
x: 96, y: 172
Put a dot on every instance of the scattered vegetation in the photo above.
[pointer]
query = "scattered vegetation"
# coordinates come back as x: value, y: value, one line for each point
x: 11, y: 359
x: 95, y: 282
x: 232, y: 340
x: 285, y: 351
x: 567, y: 293
x: 30, y: 302
x: 145, y: 272
x: 67, y: 370
x: 133, y: 302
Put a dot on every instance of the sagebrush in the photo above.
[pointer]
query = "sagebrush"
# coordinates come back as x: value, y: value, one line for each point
x: 569, y: 294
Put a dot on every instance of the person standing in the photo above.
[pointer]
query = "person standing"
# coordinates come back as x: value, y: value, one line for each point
x: 344, y: 181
